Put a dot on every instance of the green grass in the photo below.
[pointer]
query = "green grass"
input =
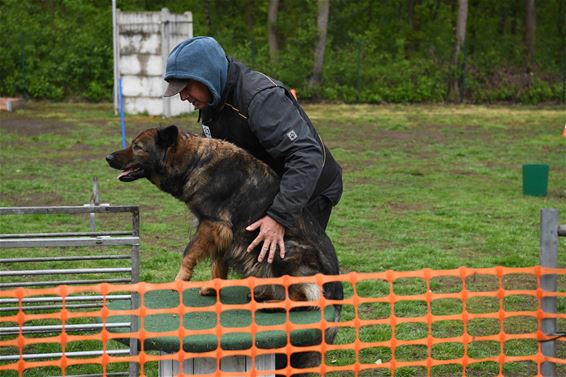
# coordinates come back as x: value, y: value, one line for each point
x: 424, y: 186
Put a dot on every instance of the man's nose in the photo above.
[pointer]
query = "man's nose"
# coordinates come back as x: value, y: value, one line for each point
x: 185, y: 97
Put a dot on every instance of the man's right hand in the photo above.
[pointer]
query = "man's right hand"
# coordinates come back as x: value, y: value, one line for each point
x: 271, y: 233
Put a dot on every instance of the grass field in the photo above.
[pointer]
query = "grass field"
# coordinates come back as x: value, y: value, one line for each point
x: 424, y: 186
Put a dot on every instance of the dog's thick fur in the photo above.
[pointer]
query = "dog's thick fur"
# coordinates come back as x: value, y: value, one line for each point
x: 228, y: 189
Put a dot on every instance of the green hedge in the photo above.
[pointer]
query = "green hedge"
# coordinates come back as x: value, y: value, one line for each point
x: 372, y: 55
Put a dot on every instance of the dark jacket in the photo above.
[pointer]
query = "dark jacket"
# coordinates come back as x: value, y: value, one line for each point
x: 261, y: 116
x: 258, y: 114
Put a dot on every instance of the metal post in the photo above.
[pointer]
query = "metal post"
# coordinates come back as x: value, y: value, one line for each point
x: 94, y: 201
x: 548, y: 258
x: 115, y: 36
x: 165, y: 48
x: 134, y: 345
x: 122, y: 125
x: 136, y: 247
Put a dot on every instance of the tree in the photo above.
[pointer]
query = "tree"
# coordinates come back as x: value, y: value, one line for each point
x: 455, y: 86
x: 272, y: 37
x: 250, y: 23
x: 530, y: 30
x: 412, y: 41
x: 207, y: 17
x: 320, y: 44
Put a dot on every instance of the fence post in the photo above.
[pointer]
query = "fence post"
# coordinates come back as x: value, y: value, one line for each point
x: 548, y: 258
x: 166, y: 46
x: 94, y: 201
x: 135, y: 303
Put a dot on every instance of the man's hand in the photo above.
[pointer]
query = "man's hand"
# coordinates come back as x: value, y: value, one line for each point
x: 271, y: 234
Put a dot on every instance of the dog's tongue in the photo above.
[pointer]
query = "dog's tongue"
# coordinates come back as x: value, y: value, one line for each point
x: 125, y: 172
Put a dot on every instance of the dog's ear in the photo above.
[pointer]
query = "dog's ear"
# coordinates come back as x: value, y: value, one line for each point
x: 167, y: 137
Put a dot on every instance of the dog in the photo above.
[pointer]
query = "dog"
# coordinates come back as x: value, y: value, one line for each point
x: 227, y: 189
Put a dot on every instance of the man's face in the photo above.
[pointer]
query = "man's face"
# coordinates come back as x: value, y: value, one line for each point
x: 197, y: 94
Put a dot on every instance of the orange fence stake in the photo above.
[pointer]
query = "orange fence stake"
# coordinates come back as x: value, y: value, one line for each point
x: 294, y: 93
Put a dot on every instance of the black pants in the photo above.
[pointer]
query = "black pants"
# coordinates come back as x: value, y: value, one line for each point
x: 320, y: 208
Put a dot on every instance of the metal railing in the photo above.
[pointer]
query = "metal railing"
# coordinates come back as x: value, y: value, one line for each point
x: 58, y: 258
x: 550, y: 231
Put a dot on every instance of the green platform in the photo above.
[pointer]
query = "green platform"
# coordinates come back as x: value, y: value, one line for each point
x: 229, y: 319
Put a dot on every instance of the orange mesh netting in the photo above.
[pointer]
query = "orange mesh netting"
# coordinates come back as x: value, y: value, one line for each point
x: 446, y: 321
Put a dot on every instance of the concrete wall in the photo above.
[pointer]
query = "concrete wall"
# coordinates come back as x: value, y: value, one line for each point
x: 144, y: 42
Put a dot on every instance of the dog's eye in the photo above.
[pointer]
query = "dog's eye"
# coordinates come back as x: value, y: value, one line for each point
x: 137, y: 147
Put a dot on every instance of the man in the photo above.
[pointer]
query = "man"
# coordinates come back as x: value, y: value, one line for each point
x: 258, y: 114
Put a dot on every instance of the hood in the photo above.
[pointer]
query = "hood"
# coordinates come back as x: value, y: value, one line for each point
x: 201, y: 59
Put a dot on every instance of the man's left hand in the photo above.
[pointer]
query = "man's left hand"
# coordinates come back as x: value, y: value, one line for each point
x: 271, y: 233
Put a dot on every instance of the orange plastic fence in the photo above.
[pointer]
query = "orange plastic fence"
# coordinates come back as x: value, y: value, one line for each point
x: 445, y: 321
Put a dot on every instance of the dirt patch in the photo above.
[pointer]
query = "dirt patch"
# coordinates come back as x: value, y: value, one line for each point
x: 460, y: 172
x: 31, y: 199
x: 520, y: 282
x: 372, y: 137
x: 32, y: 126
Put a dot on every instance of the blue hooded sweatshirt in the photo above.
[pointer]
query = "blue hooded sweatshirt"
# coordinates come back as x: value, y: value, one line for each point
x: 201, y: 59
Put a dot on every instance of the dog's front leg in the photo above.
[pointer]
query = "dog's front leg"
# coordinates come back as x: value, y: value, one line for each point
x: 191, y: 257
x: 219, y: 270
x: 210, y: 239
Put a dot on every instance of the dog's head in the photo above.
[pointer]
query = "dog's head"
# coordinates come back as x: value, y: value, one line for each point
x: 144, y: 155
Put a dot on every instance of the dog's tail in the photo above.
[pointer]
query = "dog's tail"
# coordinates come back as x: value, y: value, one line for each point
x: 333, y: 291
x: 310, y: 291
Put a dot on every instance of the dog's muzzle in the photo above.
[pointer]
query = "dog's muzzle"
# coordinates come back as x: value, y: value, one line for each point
x: 129, y: 173
x: 113, y: 161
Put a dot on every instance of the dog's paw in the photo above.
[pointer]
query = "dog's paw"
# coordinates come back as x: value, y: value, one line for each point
x: 207, y: 291
x: 183, y: 276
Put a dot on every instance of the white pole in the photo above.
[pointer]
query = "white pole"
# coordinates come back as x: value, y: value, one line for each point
x: 115, y: 47
x: 165, y: 47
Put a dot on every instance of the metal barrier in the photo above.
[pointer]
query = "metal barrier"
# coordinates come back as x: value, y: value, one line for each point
x: 33, y: 259
x: 550, y: 230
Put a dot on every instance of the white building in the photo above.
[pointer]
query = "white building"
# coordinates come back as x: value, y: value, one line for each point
x: 143, y: 41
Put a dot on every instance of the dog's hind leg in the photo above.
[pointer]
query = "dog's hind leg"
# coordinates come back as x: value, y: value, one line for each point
x: 211, y: 238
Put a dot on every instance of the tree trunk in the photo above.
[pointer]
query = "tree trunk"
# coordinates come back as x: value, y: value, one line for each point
x: 455, y: 88
x: 514, y: 15
x: 530, y: 31
x: 561, y: 26
x: 207, y: 17
x: 320, y: 44
x: 411, y: 10
x: 412, y: 42
x: 250, y: 23
x: 272, y: 37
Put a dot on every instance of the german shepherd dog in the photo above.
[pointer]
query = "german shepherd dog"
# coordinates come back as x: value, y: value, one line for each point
x: 226, y: 189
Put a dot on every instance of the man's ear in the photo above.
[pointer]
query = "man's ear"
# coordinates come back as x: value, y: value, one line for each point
x: 167, y: 136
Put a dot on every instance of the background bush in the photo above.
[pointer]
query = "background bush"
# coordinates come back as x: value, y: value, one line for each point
x: 372, y: 55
